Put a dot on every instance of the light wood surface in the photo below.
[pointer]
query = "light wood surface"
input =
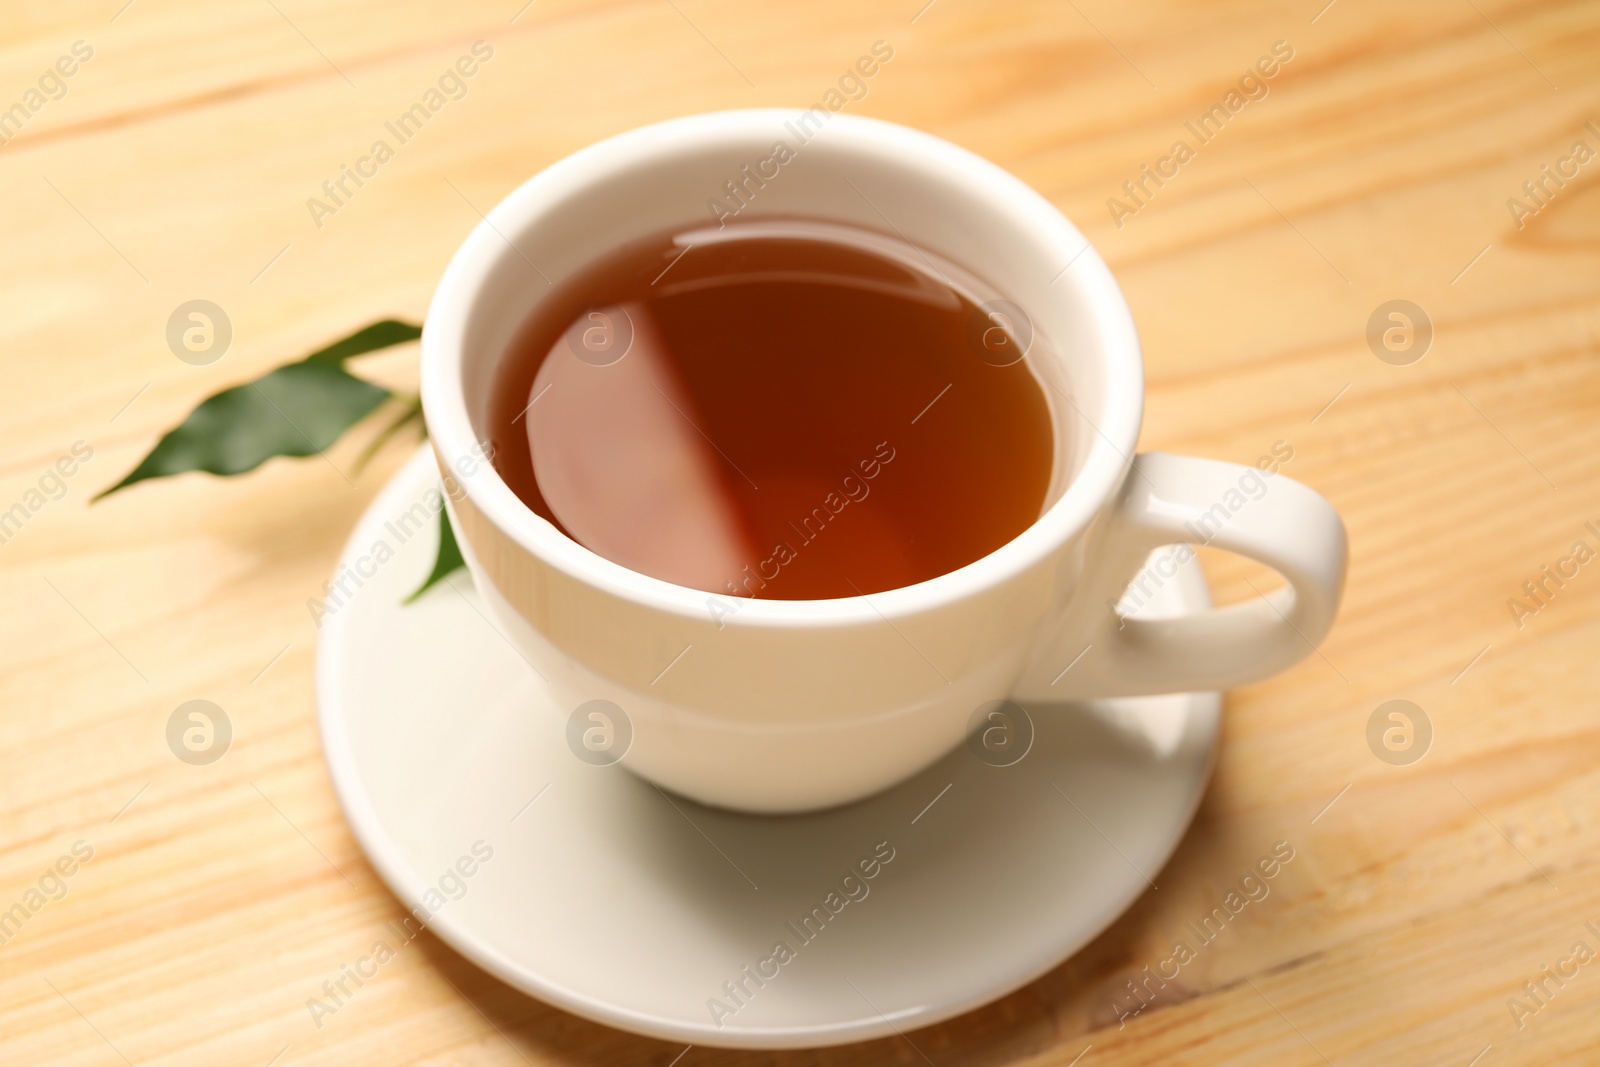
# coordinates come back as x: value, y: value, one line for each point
x: 177, y: 166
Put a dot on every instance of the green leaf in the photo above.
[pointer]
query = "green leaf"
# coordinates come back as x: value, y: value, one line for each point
x: 448, y: 559
x: 297, y: 410
x: 368, y: 339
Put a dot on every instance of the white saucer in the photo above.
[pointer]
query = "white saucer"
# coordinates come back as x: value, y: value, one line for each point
x: 617, y: 902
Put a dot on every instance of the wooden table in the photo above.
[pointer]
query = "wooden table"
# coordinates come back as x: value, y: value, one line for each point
x: 1377, y: 167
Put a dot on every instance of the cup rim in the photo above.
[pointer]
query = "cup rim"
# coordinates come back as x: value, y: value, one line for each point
x: 449, y: 421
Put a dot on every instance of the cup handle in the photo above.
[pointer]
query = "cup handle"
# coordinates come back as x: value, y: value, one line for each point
x: 1169, y: 499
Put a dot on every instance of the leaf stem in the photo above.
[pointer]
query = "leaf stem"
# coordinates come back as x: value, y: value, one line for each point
x: 411, y: 411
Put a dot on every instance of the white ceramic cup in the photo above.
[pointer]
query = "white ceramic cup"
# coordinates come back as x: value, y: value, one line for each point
x: 785, y: 705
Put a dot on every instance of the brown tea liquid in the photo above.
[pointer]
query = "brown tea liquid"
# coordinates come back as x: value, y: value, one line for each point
x: 782, y: 409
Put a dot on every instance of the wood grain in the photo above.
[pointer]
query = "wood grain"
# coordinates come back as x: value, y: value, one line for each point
x: 1378, y: 166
